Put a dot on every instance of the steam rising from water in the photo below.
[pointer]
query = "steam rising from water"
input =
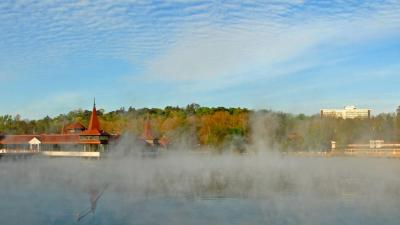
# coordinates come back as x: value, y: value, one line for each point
x: 184, y: 186
x: 192, y: 188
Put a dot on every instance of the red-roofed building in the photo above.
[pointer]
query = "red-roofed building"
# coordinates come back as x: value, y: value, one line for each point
x: 73, y: 138
x: 73, y: 128
x: 150, y: 139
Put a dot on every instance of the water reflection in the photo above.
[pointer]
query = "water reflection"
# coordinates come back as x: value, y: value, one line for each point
x: 225, y: 190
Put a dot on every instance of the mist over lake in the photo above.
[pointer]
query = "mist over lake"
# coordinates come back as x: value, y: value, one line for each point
x: 191, y: 188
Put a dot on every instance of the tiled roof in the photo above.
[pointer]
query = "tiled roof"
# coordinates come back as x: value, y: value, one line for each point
x: 75, y: 125
x: 46, y: 139
x: 95, y: 132
x: 94, y: 142
x: 94, y: 123
x: 17, y: 139
x: 59, y: 138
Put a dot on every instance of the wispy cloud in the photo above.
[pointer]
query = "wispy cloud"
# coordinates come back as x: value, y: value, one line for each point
x: 194, y: 46
x: 184, y: 39
x: 224, y: 52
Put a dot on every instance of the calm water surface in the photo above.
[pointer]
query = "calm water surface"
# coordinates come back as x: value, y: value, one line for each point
x: 43, y: 194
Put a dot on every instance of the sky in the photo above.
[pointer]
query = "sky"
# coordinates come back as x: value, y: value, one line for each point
x: 294, y: 56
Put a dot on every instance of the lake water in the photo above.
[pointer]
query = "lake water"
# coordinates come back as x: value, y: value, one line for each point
x: 191, y: 190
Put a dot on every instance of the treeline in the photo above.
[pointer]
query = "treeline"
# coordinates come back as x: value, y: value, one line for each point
x: 223, y: 128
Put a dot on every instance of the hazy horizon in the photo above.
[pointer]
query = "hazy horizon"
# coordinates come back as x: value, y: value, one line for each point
x: 373, y: 112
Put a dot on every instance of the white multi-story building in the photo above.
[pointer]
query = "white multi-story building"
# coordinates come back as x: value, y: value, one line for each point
x: 349, y: 112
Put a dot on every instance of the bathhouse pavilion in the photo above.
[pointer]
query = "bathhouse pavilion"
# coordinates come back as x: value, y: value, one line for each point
x: 74, y: 140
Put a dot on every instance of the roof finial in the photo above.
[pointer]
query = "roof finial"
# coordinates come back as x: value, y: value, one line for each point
x: 94, y: 123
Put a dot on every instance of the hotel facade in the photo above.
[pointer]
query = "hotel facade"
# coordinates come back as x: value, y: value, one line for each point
x: 349, y: 112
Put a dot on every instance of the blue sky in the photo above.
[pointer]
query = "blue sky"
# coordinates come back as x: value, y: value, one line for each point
x: 295, y: 56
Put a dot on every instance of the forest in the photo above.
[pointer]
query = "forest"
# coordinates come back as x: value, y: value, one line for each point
x: 223, y: 128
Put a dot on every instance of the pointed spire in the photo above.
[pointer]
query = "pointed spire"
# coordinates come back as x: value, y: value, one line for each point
x: 94, y: 123
x: 147, y: 132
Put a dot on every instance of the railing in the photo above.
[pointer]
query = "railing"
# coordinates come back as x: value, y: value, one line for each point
x: 309, y: 153
x: 17, y: 151
x: 366, y: 152
x: 51, y: 153
x: 71, y: 154
x: 375, y: 152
